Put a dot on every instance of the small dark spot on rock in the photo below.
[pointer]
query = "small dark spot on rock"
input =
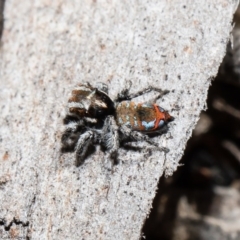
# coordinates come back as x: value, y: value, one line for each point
x: 104, y: 211
x: 102, y: 46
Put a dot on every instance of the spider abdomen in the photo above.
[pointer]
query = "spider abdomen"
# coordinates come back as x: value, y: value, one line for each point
x: 146, y: 117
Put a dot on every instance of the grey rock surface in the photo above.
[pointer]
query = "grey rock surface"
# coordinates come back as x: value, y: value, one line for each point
x: 50, y: 46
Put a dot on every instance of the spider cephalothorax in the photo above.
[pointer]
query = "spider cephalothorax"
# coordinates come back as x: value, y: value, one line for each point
x: 89, y: 102
x: 94, y: 118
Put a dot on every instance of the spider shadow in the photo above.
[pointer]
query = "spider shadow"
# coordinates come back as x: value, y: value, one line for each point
x: 128, y: 144
x: 158, y: 133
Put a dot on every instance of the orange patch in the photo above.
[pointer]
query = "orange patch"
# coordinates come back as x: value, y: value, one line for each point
x: 159, y: 116
x: 78, y: 95
x: 5, y: 156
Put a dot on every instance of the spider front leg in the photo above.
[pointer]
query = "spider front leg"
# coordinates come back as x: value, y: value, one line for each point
x: 110, y: 137
x: 71, y: 135
x: 138, y: 136
x: 82, y: 146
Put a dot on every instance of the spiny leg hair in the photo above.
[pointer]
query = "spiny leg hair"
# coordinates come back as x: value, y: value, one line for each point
x: 71, y: 135
x: 102, y: 87
x: 110, y: 137
x: 99, y: 85
x: 82, y: 146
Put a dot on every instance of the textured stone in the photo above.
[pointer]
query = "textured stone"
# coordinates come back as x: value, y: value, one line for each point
x: 50, y: 46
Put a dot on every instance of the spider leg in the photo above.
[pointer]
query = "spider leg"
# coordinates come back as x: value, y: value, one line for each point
x: 82, y: 146
x: 99, y: 85
x: 110, y: 137
x: 160, y: 95
x: 146, y: 150
x: 85, y: 85
x: 102, y: 87
x: 125, y: 95
x: 137, y: 136
x: 70, y: 135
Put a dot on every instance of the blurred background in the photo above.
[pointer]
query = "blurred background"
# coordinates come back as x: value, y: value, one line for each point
x: 201, y: 201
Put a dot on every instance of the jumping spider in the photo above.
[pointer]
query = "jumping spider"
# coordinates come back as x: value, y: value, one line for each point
x: 94, y: 118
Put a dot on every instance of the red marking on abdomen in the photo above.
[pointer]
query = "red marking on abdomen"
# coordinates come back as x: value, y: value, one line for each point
x: 159, y: 116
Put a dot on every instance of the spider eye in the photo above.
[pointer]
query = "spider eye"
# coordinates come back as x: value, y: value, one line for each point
x: 104, y: 98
